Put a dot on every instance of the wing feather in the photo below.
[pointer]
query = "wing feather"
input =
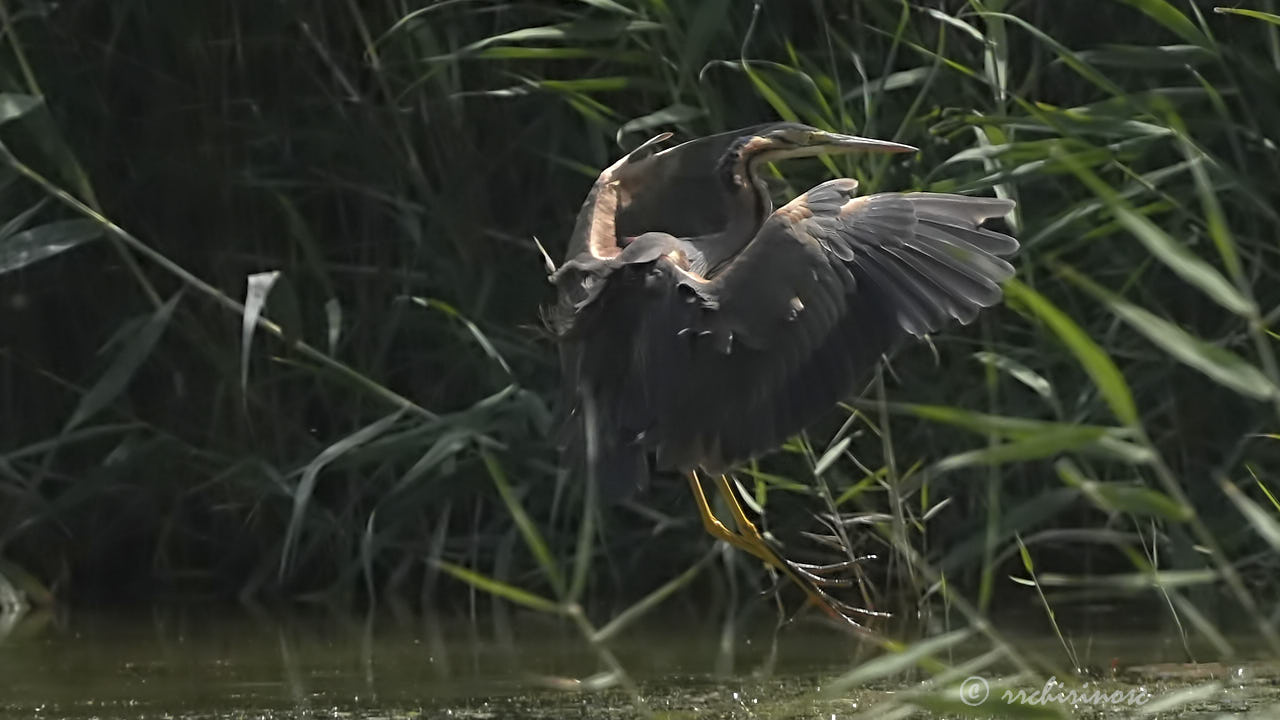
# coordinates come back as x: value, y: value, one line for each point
x: 711, y: 372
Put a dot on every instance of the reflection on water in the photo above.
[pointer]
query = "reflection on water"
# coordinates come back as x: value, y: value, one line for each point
x: 197, y: 662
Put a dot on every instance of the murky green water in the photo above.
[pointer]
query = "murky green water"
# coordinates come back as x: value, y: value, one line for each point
x: 200, y: 663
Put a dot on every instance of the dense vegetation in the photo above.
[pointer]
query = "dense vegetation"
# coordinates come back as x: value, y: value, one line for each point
x: 371, y: 178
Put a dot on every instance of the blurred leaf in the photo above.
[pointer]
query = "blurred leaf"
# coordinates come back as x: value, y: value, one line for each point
x: 1123, y: 498
x: 1069, y: 58
x: 590, y: 84
x: 893, y: 81
x: 1173, y: 254
x: 1173, y: 19
x: 669, y: 115
x: 957, y: 23
x: 26, y: 583
x: 480, y: 337
x: 900, y: 659
x: 31, y: 246
x: 258, y: 287
x: 307, y: 484
x: 1255, y: 14
x: 1214, y: 217
x: 1033, y: 447
x: 1196, y: 697
x: 1264, y: 523
x: 1149, y: 57
x: 367, y: 540
x: 593, y: 683
x: 15, y: 105
x: 1219, y: 364
x: 501, y: 589
x: 1025, y: 554
x: 1106, y: 376
x: 1266, y: 491
x: 1029, y: 513
x: 1115, y: 443
x: 135, y: 350
x: 1133, y: 581
x: 650, y: 601
x: 515, y: 52
x: 830, y: 456
x: 699, y: 33
x: 450, y: 443
x: 333, y: 320
x: 580, y: 30
x: 532, y: 538
x: 1018, y: 371
x: 19, y: 221
x: 982, y: 423
x: 609, y: 5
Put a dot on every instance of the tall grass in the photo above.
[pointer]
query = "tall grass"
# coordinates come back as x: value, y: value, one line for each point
x: 270, y: 294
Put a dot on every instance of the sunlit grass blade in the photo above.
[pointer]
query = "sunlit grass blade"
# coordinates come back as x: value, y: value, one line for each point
x: 1173, y: 254
x: 1266, y: 525
x: 1112, y: 442
x: 1265, y: 490
x: 609, y: 5
x: 259, y: 286
x: 1133, y: 581
x: 1033, y: 447
x: 1219, y: 364
x: 1155, y: 57
x: 831, y: 456
x: 1193, y: 696
x: 1106, y: 376
x: 629, y: 616
x: 333, y: 321
x: 676, y: 114
x: 1123, y: 498
x: 19, y: 221
x: 501, y: 590
x: 1016, y: 370
x: 1029, y: 566
x: 1272, y: 18
x: 1169, y: 16
x: 476, y: 332
x: 1069, y: 58
x: 586, y: 537
x: 39, y: 243
x: 895, y: 661
x: 15, y: 105
x: 528, y: 530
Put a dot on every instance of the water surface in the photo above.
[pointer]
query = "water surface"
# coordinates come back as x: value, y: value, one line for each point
x: 199, y: 662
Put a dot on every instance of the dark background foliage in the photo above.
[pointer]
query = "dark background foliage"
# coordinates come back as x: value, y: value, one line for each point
x: 394, y: 163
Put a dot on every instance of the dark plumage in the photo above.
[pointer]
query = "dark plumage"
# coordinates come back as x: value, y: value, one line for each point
x: 700, y: 326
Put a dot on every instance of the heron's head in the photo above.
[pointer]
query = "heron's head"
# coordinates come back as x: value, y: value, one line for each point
x: 788, y: 140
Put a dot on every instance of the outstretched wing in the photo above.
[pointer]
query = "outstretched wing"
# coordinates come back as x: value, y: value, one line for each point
x: 829, y: 284
x: 595, y: 230
x: 710, y: 372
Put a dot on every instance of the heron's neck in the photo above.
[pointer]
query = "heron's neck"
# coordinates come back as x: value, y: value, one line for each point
x: 749, y: 196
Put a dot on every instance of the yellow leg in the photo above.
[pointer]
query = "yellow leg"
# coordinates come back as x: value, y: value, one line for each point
x: 713, y: 524
x: 745, y: 526
x: 749, y: 539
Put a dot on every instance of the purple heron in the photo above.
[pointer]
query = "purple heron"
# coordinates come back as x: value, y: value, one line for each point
x: 699, y: 327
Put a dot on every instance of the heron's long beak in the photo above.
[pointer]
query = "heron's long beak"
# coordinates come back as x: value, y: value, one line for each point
x: 826, y: 142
